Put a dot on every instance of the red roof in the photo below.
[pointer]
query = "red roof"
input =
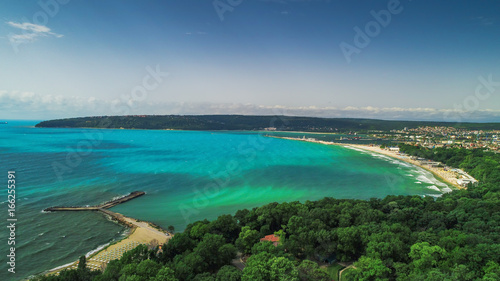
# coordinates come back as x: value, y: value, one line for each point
x: 272, y: 238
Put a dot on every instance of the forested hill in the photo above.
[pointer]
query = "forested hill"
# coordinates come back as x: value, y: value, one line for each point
x: 247, y: 122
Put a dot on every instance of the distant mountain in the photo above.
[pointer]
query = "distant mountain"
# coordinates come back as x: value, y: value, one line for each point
x: 246, y: 122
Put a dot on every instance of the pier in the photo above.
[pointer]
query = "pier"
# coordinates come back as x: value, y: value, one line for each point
x: 141, y: 233
x: 100, y: 207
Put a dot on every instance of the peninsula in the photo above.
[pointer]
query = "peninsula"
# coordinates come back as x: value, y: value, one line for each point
x: 249, y: 123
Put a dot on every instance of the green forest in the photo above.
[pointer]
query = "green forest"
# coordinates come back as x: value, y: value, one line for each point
x: 453, y: 237
x: 247, y: 122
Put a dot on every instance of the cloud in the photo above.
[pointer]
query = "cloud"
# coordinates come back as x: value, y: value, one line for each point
x: 484, y: 21
x: 28, y: 105
x: 388, y: 113
x: 197, y: 33
x: 30, y: 32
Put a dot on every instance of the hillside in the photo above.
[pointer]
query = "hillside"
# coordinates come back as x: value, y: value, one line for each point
x: 246, y: 122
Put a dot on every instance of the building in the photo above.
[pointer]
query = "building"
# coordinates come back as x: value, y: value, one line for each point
x: 275, y: 239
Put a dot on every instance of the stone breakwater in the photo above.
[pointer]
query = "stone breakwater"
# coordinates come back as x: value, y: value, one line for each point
x: 106, y: 205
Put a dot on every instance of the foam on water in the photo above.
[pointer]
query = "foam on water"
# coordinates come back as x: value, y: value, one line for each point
x: 446, y: 190
x: 433, y: 187
x: 96, y: 250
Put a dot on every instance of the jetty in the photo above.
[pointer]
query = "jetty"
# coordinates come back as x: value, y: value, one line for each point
x: 141, y: 233
x: 100, y: 207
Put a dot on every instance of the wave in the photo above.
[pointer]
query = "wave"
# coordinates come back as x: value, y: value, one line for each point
x: 423, y: 178
x: 354, y: 148
x: 61, y: 267
x: 96, y: 250
x: 446, y: 190
x: 433, y: 187
x: 428, y: 177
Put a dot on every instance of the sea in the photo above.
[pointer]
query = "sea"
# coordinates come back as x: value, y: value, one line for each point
x: 187, y: 176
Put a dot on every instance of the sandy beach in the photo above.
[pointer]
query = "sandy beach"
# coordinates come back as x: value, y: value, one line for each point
x: 141, y: 233
x: 445, y: 175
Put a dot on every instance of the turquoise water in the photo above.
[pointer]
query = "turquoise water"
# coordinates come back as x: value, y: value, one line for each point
x: 187, y: 176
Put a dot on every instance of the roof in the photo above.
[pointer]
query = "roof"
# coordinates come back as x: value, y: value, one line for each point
x: 272, y: 238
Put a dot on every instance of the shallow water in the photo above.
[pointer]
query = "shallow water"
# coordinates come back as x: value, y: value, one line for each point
x: 187, y: 176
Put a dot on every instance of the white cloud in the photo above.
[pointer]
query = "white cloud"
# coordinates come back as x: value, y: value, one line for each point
x: 484, y: 21
x: 30, y: 32
x: 28, y: 105
x: 197, y: 33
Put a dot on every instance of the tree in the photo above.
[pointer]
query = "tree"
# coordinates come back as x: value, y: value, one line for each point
x: 128, y: 270
x: 247, y: 238
x: 425, y: 256
x: 206, y: 276
x: 180, y: 243
x: 135, y: 255
x: 267, y: 267
x: 171, y: 228
x: 131, y: 278
x: 310, y: 271
x: 112, y: 271
x: 368, y: 269
x: 82, y: 264
x: 491, y: 271
x: 148, y: 269
x: 199, y: 229
x: 282, y: 269
x: 165, y: 274
x: 227, y: 226
x: 214, y: 251
x: 267, y: 246
x: 228, y: 273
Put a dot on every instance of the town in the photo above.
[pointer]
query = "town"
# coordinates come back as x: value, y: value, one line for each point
x: 432, y: 137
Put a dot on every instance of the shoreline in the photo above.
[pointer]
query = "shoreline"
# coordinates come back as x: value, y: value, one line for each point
x: 447, y: 177
x: 138, y: 233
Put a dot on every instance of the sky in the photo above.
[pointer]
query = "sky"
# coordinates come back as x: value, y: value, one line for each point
x: 384, y: 59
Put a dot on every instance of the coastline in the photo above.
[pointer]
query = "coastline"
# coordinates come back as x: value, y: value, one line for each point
x: 139, y: 233
x: 447, y: 177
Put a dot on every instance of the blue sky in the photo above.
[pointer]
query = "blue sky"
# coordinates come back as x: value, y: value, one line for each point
x: 79, y: 58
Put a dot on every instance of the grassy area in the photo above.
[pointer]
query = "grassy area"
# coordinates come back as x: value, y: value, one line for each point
x: 333, y: 270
